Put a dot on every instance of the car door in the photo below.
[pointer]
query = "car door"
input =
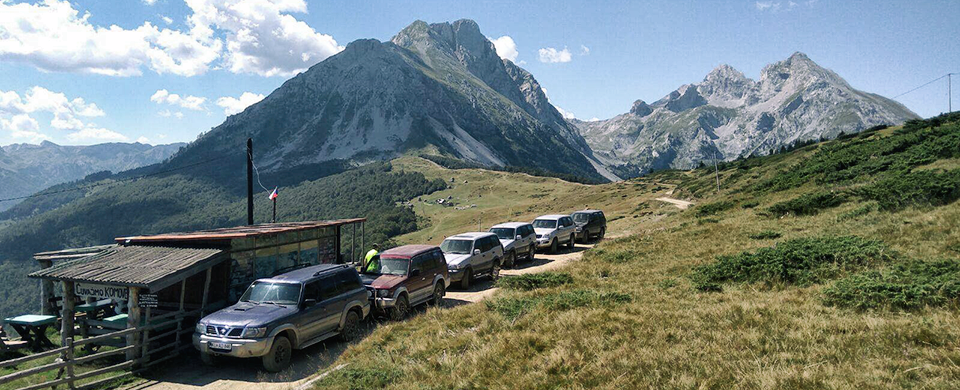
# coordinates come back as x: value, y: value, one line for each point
x: 418, y: 286
x: 310, y: 319
x: 568, y: 227
x: 487, y: 251
x: 329, y: 304
x: 351, y: 289
x: 529, y: 236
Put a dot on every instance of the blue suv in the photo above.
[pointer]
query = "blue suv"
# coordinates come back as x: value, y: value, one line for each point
x: 290, y: 311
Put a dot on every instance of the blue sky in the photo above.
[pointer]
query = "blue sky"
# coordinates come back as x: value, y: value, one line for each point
x: 162, y: 71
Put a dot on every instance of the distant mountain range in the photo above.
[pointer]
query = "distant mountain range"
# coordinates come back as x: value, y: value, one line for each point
x: 728, y: 115
x: 26, y: 169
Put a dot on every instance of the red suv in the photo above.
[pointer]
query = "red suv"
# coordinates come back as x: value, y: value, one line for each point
x: 407, y: 276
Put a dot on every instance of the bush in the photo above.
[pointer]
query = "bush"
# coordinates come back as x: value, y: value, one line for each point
x: 906, y: 286
x: 713, y: 208
x: 920, y: 188
x: 807, y: 204
x: 378, y: 377
x: 766, y: 235
x: 529, y: 282
x: 857, y: 212
x: 801, y: 261
x: 749, y: 204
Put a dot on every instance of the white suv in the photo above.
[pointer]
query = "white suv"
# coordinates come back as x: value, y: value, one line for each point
x: 518, y: 239
x: 552, y: 230
x: 469, y: 255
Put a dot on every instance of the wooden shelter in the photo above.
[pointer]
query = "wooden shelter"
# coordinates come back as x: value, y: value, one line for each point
x: 184, y: 275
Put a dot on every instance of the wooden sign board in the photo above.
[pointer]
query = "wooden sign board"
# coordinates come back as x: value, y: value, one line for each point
x: 99, y: 291
x: 148, y: 300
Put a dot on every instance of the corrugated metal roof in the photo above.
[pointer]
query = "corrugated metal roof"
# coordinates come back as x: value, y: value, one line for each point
x: 72, y: 253
x: 137, y: 266
x: 236, y: 232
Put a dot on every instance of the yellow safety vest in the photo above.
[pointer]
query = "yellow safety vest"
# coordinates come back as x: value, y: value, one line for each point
x: 372, y: 265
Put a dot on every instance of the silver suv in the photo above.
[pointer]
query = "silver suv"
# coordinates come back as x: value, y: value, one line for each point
x: 518, y: 239
x: 470, y: 255
x: 553, y: 230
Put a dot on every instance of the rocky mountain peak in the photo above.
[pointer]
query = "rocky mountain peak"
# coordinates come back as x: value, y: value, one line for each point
x: 724, y: 72
x: 641, y: 108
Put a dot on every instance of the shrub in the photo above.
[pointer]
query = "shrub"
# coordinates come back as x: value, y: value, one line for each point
x: 529, y: 282
x: 807, y: 204
x: 857, y: 212
x: 801, y: 261
x: 905, y: 286
x: 353, y: 377
x: 920, y: 188
x: 766, y: 235
x: 749, y: 204
x: 713, y: 208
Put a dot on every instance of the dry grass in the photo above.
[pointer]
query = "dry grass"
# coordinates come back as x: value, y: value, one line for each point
x: 669, y: 335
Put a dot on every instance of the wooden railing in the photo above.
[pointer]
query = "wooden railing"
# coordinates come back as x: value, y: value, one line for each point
x: 67, y: 361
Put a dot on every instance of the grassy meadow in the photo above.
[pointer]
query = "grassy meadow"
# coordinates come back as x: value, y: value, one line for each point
x: 841, y: 276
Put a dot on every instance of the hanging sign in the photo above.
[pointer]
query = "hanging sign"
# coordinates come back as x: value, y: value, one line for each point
x: 99, y: 291
x: 148, y: 300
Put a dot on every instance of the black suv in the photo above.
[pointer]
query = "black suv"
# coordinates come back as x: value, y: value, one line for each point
x: 590, y: 223
x: 286, y: 312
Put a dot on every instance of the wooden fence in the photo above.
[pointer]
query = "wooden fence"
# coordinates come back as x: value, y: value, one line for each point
x: 166, y: 326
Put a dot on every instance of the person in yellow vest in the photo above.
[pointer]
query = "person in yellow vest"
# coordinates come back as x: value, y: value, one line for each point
x: 372, y: 259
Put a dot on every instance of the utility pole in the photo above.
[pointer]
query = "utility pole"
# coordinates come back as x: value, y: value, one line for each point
x: 949, y: 93
x: 249, y: 181
x: 716, y: 169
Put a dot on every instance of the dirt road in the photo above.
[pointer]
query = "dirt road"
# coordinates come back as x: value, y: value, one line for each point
x: 243, y: 374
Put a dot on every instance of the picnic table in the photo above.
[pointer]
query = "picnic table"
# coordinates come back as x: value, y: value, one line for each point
x: 32, y: 328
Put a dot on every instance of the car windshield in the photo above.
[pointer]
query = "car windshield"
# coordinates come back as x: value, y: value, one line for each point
x: 545, y: 224
x: 503, y: 233
x: 388, y: 266
x: 456, y: 247
x: 581, y: 217
x: 279, y: 293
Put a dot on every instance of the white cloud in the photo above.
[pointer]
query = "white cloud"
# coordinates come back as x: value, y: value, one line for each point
x: 23, y: 127
x: 96, y: 134
x: 232, y: 105
x: 166, y: 19
x: 189, y: 102
x: 594, y: 119
x: 168, y: 113
x: 767, y: 5
x: 550, y: 55
x: 776, y: 6
x: 53, y: 36
x: 149, y: 2
x: 143, y: 140
x: 584, y: 50
x: 261, y: 35
x: 39, y: 99
x: 506, y: 48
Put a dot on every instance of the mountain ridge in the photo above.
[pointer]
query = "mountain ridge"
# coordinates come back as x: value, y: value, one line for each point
x: 730, y: 115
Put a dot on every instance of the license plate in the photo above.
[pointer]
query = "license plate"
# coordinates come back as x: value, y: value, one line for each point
x: 221, y: 346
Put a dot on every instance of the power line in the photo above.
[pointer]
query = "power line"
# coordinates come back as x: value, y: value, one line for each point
x: 925, y: 84
x: 116, y: 181
x: 258, y: 172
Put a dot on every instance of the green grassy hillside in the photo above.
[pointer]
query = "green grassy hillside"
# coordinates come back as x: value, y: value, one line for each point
x: 831, y: 266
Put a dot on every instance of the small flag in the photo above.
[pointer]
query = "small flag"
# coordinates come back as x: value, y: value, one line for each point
x: 273, y: 195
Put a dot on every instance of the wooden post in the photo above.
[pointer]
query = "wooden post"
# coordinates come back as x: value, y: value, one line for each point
x: 133, y: 321
x: 66, y: 326
x: 144, y: 355
x: 353, y: 244
x: 206, y: 292
x: 363, y: 243
x: 46, y: 290
x: 183, y: 291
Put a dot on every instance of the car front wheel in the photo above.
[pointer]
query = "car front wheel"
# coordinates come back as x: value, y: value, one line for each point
x: 351, y: 327
x: 495, y: 271
x: 400, y: 310
x: 438, y: 293
x: 573, y: 241
x: 533, y: 252
x: 279, y: 356
x: 467, y: 276
x: 510, y: 259
x: 554, y: 246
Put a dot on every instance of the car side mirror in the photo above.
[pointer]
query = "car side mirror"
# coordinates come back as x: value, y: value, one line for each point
x: 519, y: 237
x: 415, y: 272
x: 476, y: 251
x: 309, y: 302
